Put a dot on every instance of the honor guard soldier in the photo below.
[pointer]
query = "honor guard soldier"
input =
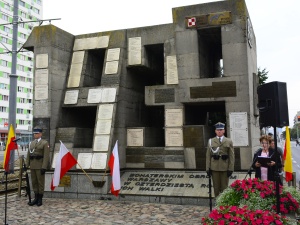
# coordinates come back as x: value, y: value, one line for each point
x: 220, y: 159
x: 37, y: 161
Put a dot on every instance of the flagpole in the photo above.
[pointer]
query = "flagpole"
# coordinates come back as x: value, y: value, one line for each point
x: 85, y: 173
x: 5, y: 198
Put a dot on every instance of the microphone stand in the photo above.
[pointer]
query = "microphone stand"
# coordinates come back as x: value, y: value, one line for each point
x: 249, y: 172
x: 276, y: 174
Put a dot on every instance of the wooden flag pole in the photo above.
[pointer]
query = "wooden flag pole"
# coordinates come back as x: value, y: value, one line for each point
x: 85, y: 173
x: 95, y: 183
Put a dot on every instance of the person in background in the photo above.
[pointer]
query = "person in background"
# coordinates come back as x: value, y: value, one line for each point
x: 37, y: 160
x: 266, y: 172
x: 220, y: 159
x: 280, y: 152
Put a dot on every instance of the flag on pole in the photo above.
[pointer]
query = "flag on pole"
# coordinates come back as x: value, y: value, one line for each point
x: 287, y: 156
x: 114, y: 165
x: 64, y: 162
x: 10, y: 146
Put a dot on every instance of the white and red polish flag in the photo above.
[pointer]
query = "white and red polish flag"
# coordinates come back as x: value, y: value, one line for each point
x: 64, y: 162
x: 114, y: 165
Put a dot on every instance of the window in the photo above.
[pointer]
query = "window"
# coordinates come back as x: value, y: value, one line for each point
x: 23, y: 79
x: 29, y: 100
x: 22, y: 100
x: 23, y: 35
x: 29, y: 69
x: 29, y: 80
x: 23, y: 14
x: 21, y: 3
x: 4, y: 63
x: 29, y: 111
x: 5, y: 97
x: 5, y: 75
x: 36, y: 10
x: 6, y: 29
x: 22, y: 57
x: 6, y: 6
x: 20, y: 111
x: 4, y: 17
x: 21, y: 68
x: 39, y: 2
x: 22, y: 122
x: 3, y: 86
x: 3, y: 109
x: 20, y: 89
x: 29, y: 90
x: 4, y: 40
x: 21, y: 25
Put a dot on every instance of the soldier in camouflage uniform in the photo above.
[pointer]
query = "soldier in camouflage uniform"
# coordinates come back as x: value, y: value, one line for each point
x: 220, y: 159
x: 37, y: 160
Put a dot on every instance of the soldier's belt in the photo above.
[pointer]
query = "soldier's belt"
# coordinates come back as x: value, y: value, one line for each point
x: 36, y: 157
x: 217, y: 157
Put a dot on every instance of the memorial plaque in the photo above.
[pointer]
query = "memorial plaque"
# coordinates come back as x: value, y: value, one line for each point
x: 113, y: 54
x: 54, y: 160
x: 135, y: 51
x: 103, y: 127
x: 71, y: 97
x: 94, y: 95
x: 41, y: 92
x: 172, y: 73
x: 164, y: 95
x: 78, y: 57
x: 101, y: 143
x: 166, y: 183
x: 41, y: 77
x: 75, y: 75
x: 111, y: 67
x: 135, y: 137
x: 41, y: 61
x: 91, y: 43
x: 84, y: 160
x: 108, y: 95
x: 65, y: 181
x: 239, y: 128
x: 174, y: 137
x: 173, y: 117
x: 99, y: 160
x: 105, y: 111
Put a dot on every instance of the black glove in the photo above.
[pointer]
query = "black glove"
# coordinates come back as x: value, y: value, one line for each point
x: 229, y: 173
x: 208, y: 172
x: 43, y: 171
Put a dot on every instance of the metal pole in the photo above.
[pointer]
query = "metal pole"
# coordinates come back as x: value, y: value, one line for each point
x: 13, y: 80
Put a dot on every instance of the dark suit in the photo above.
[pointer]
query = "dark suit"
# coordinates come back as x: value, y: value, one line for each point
x: 38, y: 157
x: 219, y: 162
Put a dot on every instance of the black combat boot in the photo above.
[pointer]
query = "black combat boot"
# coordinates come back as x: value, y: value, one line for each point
x: 40, y: 200
x: 35, y: 201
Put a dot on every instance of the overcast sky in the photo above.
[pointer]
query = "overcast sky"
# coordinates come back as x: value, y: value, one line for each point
x: 275, y: 23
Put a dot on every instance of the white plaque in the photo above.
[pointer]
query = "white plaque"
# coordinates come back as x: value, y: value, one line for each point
x: 105, y: 111
x: 111, y: 67
x: 71, y: 97
x: 103, y: 127
x: 75, y: 74
x: 172, y: 73
x: 135, y: 137
x: 135, y: 51
x: 94, y: 95
x: 84, y: 160
x: 101, y: 143
x: 41, y: 61
x: 54, y: 160
x: 99, y: 161
x: 41, y: 77
x: 91, y: 43
x: 41, y: 92
x: 174, y: 137
x: 174, y: 117
x: 78, y: 57
x: 109, y: 94
x: 113, y: 54
x: 239, y: 128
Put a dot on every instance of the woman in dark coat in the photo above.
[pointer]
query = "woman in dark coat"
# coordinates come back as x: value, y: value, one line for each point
x: 266, y: 171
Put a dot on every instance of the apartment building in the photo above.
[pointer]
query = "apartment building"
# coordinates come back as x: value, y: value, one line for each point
x: 29, y: 10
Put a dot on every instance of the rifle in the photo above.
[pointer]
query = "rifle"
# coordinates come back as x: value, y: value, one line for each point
x: 209, y: 190
x: 28, y: 193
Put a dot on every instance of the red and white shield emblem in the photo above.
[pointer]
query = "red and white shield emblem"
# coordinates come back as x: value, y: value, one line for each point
x: 192, y: 22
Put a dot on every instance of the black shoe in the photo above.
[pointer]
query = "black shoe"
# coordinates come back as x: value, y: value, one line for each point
x: 35, y: 201
x: 40, y: 200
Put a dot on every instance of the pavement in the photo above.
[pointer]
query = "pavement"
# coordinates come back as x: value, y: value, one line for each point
x: 95, y: 212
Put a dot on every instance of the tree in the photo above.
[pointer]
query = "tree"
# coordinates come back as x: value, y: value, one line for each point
x: 262, y: 75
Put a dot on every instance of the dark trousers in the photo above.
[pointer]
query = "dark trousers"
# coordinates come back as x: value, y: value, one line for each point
x: 220, y: 181
x: 37, y: 181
